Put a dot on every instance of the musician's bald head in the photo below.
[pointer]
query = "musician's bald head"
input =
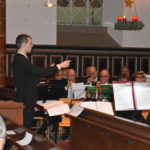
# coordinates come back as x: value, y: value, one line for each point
x: 104, y: 76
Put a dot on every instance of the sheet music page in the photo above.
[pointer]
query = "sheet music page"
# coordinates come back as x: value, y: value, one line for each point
x: 55, y: 108
x: 39, y: 102
x: 89, y: 105
x: 78, y: 90
x: 78, y: 86
x: 26, y: 140
x: 58, y: 110
x: 105, y: 107
x: 79, y: 94
x: 10, y: 132
x: 123, y: 96
x: 76, y: 110
x: 51, y: 104
x: 142, y: 95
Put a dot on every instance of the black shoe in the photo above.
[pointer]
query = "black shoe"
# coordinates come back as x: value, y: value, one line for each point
x: 65, y: 135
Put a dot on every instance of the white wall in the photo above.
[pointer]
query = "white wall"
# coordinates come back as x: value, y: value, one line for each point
x: 33, y: 18
x: 140, y: 38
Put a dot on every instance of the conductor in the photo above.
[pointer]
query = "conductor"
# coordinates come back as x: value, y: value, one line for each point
x: 25, y: 75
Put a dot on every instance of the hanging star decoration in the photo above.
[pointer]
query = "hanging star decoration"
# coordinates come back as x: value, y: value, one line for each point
x: 133, y: 24
x: 128, y: 3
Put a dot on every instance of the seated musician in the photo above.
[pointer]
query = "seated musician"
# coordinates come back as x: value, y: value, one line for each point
x: 104, y: 80
x: 92, y: 75
x: 60, y: 87
x: 71, y: 78
x: 125, y: 74
x: 140, y: 76
x: 56, y: 89
x: 104, y: 77
x: 84, y: 79
x: 65, y: 72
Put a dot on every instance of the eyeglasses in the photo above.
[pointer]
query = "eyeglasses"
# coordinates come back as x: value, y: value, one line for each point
x: 140, y: 77
x: 104, y: 76
x: 71, y: 75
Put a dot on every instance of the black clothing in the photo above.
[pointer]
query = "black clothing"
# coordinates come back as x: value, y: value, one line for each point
x: 147, y: 121
x: 84, y: 79
x: 25, y: 75
x: 57, y: 89
x: 134, y: 115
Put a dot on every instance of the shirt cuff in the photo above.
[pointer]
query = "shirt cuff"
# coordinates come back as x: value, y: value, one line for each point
x: 58, y: 67
x: 66, y: 88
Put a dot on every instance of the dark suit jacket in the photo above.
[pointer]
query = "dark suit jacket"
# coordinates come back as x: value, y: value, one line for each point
x: 57, y: 89
x: 148, y: 119
x: 25, y: 75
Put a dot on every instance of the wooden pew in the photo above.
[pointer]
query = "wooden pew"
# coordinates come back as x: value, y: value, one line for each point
x: 12, y: 110
x: 7, y: 94
x: 37, y: 142
x: 98, y: 131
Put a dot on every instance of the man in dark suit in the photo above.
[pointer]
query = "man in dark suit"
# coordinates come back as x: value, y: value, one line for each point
x: 92, y: 76
x: 25, y: 75
x: 56, y: 87
x: 104, y: 77
x: 61, y: 87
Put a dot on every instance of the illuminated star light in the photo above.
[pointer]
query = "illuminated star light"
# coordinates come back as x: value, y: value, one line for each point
x: 128, y: 3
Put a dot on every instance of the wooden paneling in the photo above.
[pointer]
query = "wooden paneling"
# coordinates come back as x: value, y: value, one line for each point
x: 103, y: 58
x: 12, y: 111
x: 99, y: 131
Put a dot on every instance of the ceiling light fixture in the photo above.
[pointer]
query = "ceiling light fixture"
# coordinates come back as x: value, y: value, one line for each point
x: 50, y: 3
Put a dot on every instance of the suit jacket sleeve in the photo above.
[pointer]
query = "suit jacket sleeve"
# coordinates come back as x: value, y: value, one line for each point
x: 38, y: 71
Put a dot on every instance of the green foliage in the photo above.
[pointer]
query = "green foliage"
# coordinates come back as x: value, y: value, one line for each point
x: 129, y: 25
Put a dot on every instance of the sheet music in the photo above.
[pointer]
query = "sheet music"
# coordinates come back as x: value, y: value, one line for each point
x: 90, y: 105
x: 55, y: 108
x: 105, y: 107
x: 76, y: 110
x: 78, y: 86
x: 51, y: 104
x: 10, y: 132
x: 142, y: 95
x: 78, y: 90
x: 26, y: 140
x: 58, y: 110
x: 123, y: 96
x: 39, y: 102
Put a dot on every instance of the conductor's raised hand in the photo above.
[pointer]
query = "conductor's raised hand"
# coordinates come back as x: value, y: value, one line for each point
x: 64, y: 64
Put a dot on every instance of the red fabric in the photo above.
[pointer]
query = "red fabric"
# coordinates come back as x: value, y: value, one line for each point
x: 64, y: 144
